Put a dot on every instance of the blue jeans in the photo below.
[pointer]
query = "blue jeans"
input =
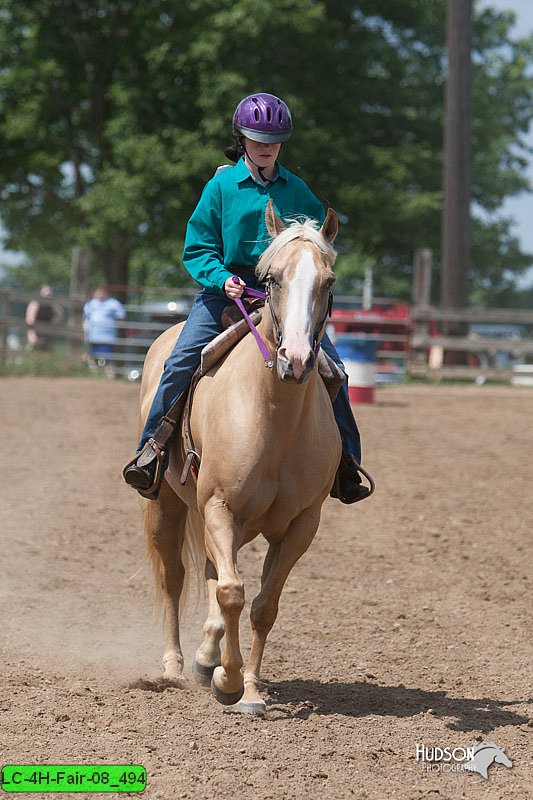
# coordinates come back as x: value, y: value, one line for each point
x: 201, y: 328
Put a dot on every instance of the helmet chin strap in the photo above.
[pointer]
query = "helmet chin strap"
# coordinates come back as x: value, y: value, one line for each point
x: 259, y: 169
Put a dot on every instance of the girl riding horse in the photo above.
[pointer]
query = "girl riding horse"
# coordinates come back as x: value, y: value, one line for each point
x: 226, y: 235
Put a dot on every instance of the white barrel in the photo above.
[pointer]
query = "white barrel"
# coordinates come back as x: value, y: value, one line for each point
x: 359, y: 356
x: 522, y: 375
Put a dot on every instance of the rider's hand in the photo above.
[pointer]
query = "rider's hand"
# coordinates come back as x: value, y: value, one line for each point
x: 234, y: 289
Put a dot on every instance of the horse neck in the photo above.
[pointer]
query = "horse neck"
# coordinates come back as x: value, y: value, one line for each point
x: 266, y: 329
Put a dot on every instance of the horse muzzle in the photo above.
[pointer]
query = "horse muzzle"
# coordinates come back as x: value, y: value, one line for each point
x: 294, y: 371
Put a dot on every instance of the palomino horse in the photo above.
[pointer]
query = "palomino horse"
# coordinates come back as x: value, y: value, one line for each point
x: 269, y: 450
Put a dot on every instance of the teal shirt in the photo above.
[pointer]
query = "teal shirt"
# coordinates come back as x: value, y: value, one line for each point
x: 227, y: 230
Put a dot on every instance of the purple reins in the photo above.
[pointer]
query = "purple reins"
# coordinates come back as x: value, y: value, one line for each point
x: 269, y: 361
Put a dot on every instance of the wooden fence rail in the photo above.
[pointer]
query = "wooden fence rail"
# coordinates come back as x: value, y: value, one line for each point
x: 507, y: 316
x: 491, y: 356
x: 519, y: 347
x: 423, y: 353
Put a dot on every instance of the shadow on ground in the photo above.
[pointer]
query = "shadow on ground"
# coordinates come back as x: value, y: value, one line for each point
x: 362, y: 699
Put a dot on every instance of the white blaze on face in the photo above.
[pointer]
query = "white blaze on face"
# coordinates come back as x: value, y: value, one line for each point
x: 296, y: 344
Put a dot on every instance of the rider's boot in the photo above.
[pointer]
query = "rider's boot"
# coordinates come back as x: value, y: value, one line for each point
x: 141, y: 476
x: 145, y: 471
x: 347, y: 486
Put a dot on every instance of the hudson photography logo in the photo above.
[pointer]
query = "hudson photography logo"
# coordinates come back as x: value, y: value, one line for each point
x: 477, y: 758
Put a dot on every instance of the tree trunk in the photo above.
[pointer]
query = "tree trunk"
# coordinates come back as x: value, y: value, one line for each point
x: 117, y: 273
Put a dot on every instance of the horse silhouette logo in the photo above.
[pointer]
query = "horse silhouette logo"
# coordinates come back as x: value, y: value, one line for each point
x: 486, y: 754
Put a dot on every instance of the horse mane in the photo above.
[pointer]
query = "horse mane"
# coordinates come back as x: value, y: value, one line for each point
x: 307, y: 230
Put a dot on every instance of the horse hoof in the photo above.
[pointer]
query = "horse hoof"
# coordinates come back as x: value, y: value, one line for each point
x: 226, y: 698
x: 173, y: 666
x: 255, y: 707
x: 178, y: 682
x: 202, y: 674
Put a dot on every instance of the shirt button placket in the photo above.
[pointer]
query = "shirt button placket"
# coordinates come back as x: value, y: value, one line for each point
x: 264, y: 203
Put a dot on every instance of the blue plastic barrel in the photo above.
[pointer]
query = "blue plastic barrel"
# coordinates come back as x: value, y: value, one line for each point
x: 359, y: 356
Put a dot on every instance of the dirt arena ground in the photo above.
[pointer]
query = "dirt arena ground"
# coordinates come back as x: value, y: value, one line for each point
x: 407, y: 623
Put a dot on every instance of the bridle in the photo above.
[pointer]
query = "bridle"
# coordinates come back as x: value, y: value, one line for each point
x: 270, y: 281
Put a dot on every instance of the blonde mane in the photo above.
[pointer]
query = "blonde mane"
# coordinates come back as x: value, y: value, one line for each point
x: 306, y: 231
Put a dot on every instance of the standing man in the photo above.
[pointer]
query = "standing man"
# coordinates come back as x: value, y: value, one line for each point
x: 43, y: 311
x: 100, y: 317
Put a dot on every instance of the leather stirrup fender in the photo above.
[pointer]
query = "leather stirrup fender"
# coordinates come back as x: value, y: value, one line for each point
x: 155, y: 448
x: 149, y: 453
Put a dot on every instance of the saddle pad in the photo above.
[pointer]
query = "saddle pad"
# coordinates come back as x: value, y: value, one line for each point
x: 223, y: 343
x: 331, y: 374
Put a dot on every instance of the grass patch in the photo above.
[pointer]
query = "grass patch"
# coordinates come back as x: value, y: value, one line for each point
x: 58, y: 363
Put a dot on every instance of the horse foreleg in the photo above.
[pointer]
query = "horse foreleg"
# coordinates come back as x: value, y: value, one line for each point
x: 164, y: 521
x: 222, y: 544
x: 280, y: 559
x: 208, y: 654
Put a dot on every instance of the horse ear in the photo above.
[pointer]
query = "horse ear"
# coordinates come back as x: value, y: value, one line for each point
x: 274, y: 223
x: 330, y: 227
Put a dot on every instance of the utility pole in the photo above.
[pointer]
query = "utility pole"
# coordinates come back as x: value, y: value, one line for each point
x: 457, y: 156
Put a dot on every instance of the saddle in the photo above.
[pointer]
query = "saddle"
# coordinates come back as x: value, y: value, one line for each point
x: 235, y: 329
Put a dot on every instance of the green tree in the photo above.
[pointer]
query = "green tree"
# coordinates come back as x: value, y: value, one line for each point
x: 113, y: 114
x: 97, y: 127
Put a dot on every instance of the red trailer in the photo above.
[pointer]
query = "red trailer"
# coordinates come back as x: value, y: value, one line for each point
x: 387, y: 322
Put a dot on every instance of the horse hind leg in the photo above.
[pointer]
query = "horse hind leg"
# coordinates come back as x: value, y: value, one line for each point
x: 207, y: 656
x: 164, y: 524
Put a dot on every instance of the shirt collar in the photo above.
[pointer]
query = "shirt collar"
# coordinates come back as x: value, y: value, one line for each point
x: 282, y: 172
x: 242, y: 173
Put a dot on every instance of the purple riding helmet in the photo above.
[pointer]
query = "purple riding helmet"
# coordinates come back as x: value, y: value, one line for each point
x: 264, y: 118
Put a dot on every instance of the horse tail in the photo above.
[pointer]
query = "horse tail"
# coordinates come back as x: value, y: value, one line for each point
x: 193, y: 556
x: 152, y: 556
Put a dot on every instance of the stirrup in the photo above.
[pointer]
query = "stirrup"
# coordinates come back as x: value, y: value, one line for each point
x: 350, y: 470
x: 151, y: 452
x: 370, y: 479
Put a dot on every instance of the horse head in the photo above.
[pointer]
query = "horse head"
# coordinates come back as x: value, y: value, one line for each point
x: 486, y: 754
x: 502, y: 758
x: 298, y: 269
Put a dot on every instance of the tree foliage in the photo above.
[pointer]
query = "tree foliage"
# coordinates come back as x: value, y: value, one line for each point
x: 114, y: 112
